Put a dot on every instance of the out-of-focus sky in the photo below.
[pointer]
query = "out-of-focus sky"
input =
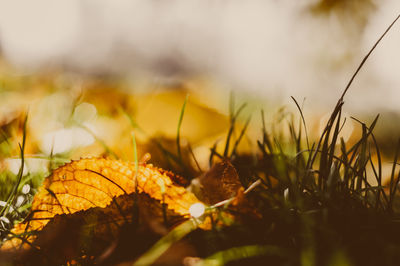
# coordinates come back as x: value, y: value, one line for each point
x: 267, y: 48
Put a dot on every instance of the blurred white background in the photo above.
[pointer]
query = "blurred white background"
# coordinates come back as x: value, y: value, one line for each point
x: 268, y: 48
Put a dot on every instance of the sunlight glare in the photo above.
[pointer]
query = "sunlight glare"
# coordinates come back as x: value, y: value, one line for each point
x: 196, y: 210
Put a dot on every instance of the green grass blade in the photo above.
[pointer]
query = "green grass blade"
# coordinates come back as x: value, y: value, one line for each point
x: 105, y: 146
x: 164, y: 243
x: 366, y: 58
x: 135, y: 159
x: 242, y: 132
x: 178, y: 131
x: 303, y: 120
x: 223, y: 257
x: 266, y: 140
x: 14, y: 191
x: 232, y: 117
x: 132, y: 121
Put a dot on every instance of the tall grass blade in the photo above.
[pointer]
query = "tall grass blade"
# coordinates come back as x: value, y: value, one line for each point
x: 366, y: 58
x: 135, y: 160
x: 242, y: 132
x: 303, y: 120
x: 105, y: 146
x: 178, y: 131
x: 233, y: 118
x: 149, y: 257
x: 14, y: 191
x: 223, y: 257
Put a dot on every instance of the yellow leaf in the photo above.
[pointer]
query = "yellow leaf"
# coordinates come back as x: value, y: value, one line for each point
x: 94, y: 182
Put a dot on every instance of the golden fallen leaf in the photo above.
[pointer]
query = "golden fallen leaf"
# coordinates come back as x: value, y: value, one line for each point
x: 127, y: 227
x: 94, y: 182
